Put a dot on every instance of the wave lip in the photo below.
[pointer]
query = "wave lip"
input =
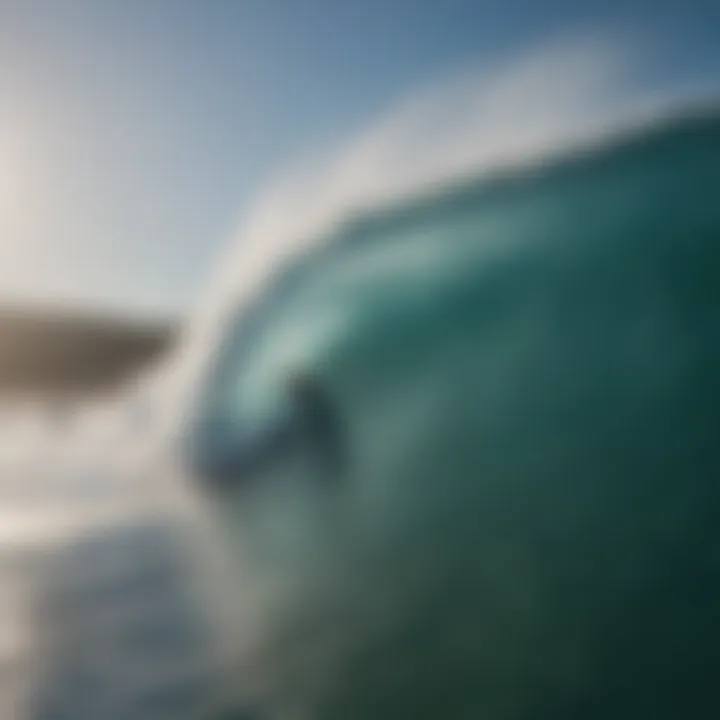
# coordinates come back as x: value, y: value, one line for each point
x: 512, y: 115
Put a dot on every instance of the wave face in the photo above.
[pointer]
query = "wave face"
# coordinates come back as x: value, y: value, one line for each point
x: 524, y: 372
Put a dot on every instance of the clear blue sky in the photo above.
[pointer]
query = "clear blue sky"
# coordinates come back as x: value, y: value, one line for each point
x: 133, y: 133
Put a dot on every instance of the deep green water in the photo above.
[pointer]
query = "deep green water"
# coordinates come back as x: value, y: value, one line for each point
x: 524, y: 373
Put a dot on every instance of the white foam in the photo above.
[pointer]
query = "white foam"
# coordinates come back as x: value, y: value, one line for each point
x: 520, y: 109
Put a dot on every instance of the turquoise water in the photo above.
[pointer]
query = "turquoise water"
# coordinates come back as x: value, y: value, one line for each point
x: 524, y: 374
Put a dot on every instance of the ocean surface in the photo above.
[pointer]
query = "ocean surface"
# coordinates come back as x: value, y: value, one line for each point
x: 84, y: 544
